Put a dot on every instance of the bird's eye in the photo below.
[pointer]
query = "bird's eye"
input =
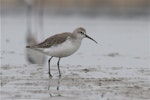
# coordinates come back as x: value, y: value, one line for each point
x: 81, y: 32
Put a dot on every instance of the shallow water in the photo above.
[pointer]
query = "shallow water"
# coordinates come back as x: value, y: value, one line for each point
x: 117, y: 68
x: 129, y: 38
x: 77, y: 82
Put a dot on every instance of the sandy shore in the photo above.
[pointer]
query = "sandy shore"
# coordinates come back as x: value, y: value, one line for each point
x: 77, y: 83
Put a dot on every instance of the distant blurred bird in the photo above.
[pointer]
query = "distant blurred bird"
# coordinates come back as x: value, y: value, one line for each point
x: 35, y: 37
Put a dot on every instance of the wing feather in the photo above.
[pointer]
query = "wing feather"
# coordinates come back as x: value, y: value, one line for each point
x: 52, y: 41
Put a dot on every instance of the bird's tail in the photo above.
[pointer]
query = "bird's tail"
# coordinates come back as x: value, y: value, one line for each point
x: 36, y: 49
x: 33, y: 46
x: 28, y: 46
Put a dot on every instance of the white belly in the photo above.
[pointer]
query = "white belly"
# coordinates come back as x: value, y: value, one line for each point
x: 63, y: 50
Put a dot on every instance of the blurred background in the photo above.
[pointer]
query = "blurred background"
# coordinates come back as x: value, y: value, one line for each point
x: 83, y: 7
x: 28, y: 22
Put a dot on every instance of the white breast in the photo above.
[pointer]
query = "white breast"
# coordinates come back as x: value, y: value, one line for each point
x: 63, y: 50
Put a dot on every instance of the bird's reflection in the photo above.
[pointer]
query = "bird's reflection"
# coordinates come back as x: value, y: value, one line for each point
x: 54, y: 87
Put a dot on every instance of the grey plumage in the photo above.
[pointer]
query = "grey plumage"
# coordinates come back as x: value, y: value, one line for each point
x: 53, y: 40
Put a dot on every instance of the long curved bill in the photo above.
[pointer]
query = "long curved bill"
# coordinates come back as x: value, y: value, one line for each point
x: 90, y: 38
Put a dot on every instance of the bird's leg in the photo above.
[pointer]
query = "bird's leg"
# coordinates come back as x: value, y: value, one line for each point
x: 58, y: 67
x: 49, y: 67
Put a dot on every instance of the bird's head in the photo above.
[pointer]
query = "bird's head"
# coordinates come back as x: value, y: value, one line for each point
x: 81, y: 33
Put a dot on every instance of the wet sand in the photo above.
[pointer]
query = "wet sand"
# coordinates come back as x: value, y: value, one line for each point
x: 77, y: 83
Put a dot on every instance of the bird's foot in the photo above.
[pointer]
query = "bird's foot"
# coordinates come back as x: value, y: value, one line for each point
x: 59, y: 75
x: 50, y: 75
